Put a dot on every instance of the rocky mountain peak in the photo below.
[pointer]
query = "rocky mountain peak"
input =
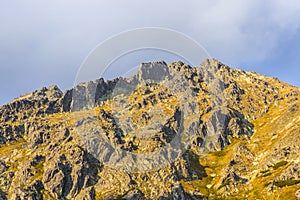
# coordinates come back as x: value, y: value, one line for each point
x: 52, y: 92
x: 171, y: 131
x: 156, y: 71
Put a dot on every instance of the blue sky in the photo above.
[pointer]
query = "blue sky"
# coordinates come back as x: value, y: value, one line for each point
x: 44, y: 42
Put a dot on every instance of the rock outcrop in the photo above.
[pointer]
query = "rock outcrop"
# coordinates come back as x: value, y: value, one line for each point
x: 171, y: 131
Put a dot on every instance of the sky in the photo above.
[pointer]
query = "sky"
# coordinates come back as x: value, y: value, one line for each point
x: 45, y: 42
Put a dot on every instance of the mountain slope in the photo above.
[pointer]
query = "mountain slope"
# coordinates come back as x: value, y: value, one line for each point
x: 168, y: 132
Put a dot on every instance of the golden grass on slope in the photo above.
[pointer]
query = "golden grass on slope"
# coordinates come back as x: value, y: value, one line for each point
x: 214, y: 163
x: 273, y: 127
x: 277, y: 124
x: 260, y: 184
x: 9, y: 148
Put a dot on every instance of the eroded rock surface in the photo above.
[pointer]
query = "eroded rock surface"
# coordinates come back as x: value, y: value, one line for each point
x: 171, y: 131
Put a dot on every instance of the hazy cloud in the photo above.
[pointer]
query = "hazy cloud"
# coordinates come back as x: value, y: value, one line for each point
x: 44, y: 42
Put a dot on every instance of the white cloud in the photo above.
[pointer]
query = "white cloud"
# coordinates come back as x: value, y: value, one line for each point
x: 48, y: 36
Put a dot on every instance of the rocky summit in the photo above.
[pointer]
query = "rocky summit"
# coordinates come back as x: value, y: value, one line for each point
x: 170, y: 131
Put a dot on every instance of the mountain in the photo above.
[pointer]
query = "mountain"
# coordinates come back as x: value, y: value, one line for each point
x: 171, y: 131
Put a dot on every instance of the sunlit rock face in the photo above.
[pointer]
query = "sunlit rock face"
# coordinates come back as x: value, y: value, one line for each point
x: 171, y: 131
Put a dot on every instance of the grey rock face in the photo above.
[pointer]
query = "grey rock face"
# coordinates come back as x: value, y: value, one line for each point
x: 217, y: 132
x: 179, y: 194
x: 40, y: 102
x: 49, y: 151
x: 67, y: 100
x: 69, y: 173
x: 154, y: 72
x: 2, y: 195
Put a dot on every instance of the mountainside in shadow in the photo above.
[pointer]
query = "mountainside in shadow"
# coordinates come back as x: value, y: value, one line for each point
x: 171, y: 131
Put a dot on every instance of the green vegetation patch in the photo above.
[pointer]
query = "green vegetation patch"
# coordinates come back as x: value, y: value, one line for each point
x: 289, y: 182
x: 265, y: 171
x: 279, y: 164
x: 219, y: 153
x: 266, y: 174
